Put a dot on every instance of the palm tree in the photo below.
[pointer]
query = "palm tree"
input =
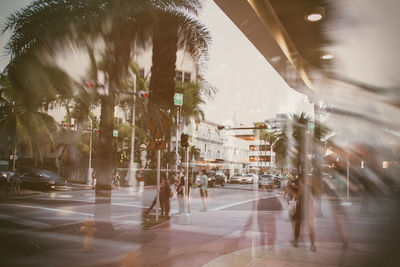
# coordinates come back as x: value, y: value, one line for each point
x: 268, y: 135
x: 172, y: 31
x: 32, y: 130
x: 120, y: 24
x: 192, y: 95
x: 299, y: 122
x: 280, y: 147
x: 28, y: 94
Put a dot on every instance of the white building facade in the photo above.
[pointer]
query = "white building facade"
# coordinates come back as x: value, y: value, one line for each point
x: 217, y: 149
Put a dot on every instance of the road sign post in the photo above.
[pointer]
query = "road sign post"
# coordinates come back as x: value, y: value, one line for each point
x: 158, y: 124
x: 310, y: 126
x: 158, y: 145
x: 158, y: 185
x: 185, y: 218
x: 178, y: 101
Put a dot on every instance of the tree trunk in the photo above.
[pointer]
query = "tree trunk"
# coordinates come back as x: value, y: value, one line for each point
x: 104, y: 167
x: 162, y: 80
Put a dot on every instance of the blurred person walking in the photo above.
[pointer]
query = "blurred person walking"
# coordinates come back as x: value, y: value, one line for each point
x: 16, y: 181
x: 180, y: 190
x: 115, y: 180
x: 161, y: 195
x: 10, y: 184
x: 338, y: 211
x: 203, y: 189
x: 304, y: 211
x: 140, y: 182
x: 165, y: 195
x: 94, y: 178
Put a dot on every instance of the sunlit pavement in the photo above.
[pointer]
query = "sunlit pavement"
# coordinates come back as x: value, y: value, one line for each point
x: 229, y: 234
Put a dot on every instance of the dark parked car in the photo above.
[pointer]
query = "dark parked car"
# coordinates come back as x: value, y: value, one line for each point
x: 215, y: 178
x: 42, y: 180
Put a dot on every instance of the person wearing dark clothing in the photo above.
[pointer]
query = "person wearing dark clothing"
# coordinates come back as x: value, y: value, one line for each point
x: 304, y: 212
x: 165, y: 195
x: 180, y: 191
x: 338, y: 212
x: 161, y: 194
x: 16, y: 183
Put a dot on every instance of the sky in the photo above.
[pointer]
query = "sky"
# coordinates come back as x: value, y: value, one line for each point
x: 249, y: 89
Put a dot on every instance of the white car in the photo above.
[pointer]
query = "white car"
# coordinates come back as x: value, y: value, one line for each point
x: 248, y: 178
x: 235, y: 179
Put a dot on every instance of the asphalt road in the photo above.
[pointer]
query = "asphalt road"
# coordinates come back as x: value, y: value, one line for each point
x: 44, y: 229
x: 51, y: 209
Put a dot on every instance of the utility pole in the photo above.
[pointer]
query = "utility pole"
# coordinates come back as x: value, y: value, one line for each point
x: 185, y: 217
x: 89, y: 172
x: 14, y: 157
x: 158, y: 184
x: 178, y: 102
x: 132, y: 180
x: 177, y: 136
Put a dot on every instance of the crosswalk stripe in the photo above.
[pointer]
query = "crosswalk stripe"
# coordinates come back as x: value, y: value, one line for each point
x: 22, y: 221
x: 48, y: 209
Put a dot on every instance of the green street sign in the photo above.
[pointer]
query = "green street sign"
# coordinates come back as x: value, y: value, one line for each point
x: 311, y: 126
x: 115, y: 133
x: 178, y: 99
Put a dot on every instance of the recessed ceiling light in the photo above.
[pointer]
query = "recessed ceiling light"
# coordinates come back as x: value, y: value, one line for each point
x: 314, y: 14
x: 314, y: 17
x: 327, y: 57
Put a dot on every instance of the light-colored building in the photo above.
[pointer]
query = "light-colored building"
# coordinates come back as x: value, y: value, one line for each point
x: 261, y: 155
x: 217, y: 148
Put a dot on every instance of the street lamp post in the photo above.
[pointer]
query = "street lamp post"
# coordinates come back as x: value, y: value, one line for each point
x: 177, y: 136
x: 132, y: 180
x: 89, y: 173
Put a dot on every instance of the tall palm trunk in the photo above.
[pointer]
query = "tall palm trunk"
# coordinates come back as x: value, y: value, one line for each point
x: 162, y: 80
x: 104, y: 158
x: 116, y: 69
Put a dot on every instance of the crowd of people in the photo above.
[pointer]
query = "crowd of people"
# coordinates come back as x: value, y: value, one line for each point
x: 178, y: 181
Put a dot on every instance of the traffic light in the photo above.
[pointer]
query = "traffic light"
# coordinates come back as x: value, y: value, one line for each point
x: 226, y: 127
x: 184, y: 140
x: 90, y: 84
x: 143, y: 94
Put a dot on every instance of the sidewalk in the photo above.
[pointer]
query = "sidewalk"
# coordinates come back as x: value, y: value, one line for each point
x: 224, y: 238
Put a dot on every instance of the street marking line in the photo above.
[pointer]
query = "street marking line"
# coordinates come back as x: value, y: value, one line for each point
x: 63, y: 199
x: 90, y: 201
x: 22, y: 221
x: 129, y: 205
x: 125, y: 215
x: 48, y: 209
x: 241, y: 202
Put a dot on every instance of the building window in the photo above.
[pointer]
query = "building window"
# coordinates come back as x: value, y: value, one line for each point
x: 179, y: 75
x: 187, y: 77
x: 208, y: 153
x: 183, y: 77
x: 209, y: 134
x: 141, y: 73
